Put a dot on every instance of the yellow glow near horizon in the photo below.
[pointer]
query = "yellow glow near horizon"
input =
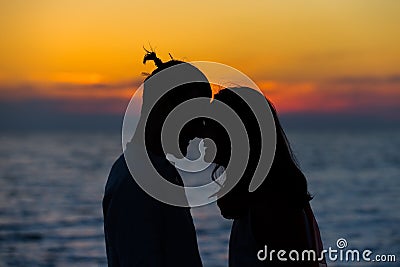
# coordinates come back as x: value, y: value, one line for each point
x: 92, y: 41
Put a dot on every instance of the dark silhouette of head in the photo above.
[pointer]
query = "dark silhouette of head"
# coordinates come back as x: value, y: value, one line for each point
x: 168, y: 86
x: 285, y: 184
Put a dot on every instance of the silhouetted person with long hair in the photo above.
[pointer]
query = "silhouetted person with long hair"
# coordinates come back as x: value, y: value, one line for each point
x: 277, y: 214
x: 140, y: 230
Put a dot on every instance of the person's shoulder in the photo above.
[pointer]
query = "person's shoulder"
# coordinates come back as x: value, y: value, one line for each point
x: 119, y: 172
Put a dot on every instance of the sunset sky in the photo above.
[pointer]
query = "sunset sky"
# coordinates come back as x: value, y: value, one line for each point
x: 318, y: 57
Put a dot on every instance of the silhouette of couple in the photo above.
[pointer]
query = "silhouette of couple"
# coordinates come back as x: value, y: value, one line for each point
x: 147, y: 219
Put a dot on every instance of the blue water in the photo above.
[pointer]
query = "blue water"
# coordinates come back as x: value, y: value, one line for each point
x: 51, y: 188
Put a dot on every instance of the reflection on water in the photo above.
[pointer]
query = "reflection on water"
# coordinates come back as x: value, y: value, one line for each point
x: 51, y: 189
x: 50, y: 200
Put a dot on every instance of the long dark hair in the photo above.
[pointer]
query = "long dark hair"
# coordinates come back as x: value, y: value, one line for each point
x: 285, y: 184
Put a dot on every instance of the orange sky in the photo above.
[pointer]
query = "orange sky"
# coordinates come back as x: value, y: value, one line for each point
x: 307, y: 56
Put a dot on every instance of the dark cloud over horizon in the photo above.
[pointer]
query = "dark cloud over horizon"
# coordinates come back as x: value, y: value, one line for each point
x: 355, y: 102
x: 45, y: 115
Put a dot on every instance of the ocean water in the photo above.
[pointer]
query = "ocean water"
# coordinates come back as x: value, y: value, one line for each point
x: 51, y: 187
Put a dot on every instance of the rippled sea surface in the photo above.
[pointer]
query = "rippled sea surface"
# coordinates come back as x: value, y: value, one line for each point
x: 51, y: 187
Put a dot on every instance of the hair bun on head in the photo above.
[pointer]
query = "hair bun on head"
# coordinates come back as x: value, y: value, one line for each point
x: 185, y: 79
x: 151, y: 55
